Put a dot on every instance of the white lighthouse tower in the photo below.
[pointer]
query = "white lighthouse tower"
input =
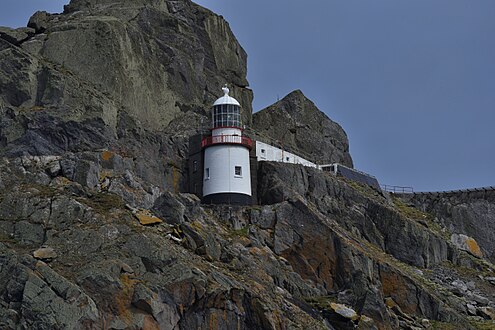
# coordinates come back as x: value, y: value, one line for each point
x: 227, y: 174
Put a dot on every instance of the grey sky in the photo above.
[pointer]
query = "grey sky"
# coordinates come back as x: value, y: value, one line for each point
x: 412, y: 82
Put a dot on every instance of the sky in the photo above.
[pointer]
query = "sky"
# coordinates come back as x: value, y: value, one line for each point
x: 412, y: 82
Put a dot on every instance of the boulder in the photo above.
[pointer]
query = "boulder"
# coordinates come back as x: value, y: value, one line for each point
x: 488, y: 313
x: 467, y: 243
x: 45, y: 253
x: 87, y: 173
x: 15, y: 36
x: 345, y: 311
x: 471, y: 309
x: 146, y: 218
x: 169, y: 208
x: 39, y: 21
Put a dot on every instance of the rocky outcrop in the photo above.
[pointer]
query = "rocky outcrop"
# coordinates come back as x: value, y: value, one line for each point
x: 136, y: 78
x: 470, y: 213
x: 96, y: 108
x: 467, y: 243
x: 102, y: 269
x: 154, y: 61
x: 288, y: 263
x: 295, y: 124
x: 407, y: 249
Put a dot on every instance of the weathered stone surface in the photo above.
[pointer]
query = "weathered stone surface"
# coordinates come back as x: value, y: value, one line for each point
x: 87, y: 173
x: 488, y: 312
x: 45, y: 253
x: 295, y: 124
x: 39, y: 21
x: 470, y: 213
x: 170, y: 208
x: 467, y: 243
x: 196, y: 47
x: 146, y: 218
x: 372, y: 217
x: 96, y: 110
x: 345, y: 311
x: 15, y: 36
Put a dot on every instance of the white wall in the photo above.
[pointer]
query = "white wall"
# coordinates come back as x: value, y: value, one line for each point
x: 266, y: 152
x: 226, y: 131
x: 221, y: 160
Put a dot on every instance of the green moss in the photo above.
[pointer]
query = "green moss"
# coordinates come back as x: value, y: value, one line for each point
x: 320, y: 302
x: 437, y: 325
x: 411, y: 212
x: 364, y: 189
x: 480, y: 325
x: 418, y: 215
x: 481, y: 266
x: 103, y: 202
x: 44, y: 191
x: 4, y: 238
x: 244, y: 232
x: 483, y: 325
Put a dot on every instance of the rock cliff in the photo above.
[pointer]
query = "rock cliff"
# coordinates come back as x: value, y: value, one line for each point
x: 295, y: 124
x: 97, y: 105
x: 470, y: 213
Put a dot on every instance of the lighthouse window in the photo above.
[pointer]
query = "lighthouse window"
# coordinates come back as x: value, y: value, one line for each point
x: 207, y: 173
x: 238, y: 171
x: 226, y: 115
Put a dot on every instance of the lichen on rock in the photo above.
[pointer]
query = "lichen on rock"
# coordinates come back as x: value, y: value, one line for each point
x: 97, y: 105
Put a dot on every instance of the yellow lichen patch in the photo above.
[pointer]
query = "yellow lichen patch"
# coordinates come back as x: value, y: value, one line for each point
x: 474, y: 248
x: 124, y: 297
x: 60, y: 181
x: 45, y: 253
x: 213, y: 324
x: 35, y: 108
x: 196, y: 225
x: 390, y: 302
x: 257, y: 251
x: 345, y: 311
x: 365, y: 319
x: 175, y: 178
x: 146, y: 218
x: 107, y: 155
x: 394, y: 286
x: 149, y: 323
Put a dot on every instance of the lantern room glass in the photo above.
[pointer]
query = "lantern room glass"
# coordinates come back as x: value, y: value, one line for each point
x: 226, y: 115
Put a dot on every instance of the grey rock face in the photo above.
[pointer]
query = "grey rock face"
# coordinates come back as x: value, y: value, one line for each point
x: 296, y: 125
x: 373, y: 218
x: 133, y: 77
x: 154, y: 60
x: 470, y: 214
x: 45, y: 298
x: 96, y: 108
x: 15, y: 36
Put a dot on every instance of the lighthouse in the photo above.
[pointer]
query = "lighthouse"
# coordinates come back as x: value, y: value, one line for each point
x: 227, y: 175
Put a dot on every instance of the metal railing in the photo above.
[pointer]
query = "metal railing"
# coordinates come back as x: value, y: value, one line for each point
x: 397, y: 189
x: 458, y: 191
x: 227, y: 139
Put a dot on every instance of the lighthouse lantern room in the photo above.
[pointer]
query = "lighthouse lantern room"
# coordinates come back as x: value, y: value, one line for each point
x: 227, y: 175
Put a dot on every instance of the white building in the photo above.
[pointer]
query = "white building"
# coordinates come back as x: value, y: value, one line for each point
x: 269, y: 153
x: 227, y: 174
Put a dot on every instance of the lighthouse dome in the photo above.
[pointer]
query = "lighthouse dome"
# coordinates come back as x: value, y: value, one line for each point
x: 226, y: 99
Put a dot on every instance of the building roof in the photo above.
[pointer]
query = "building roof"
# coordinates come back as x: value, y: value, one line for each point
x: 226, y: 99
